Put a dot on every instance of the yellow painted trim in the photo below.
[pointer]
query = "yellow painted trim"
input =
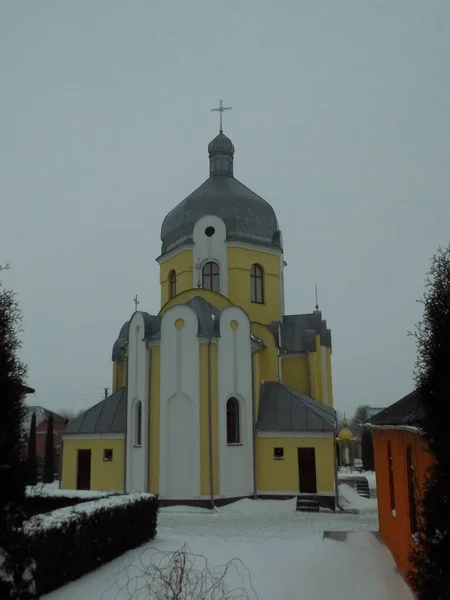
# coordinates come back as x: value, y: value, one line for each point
x: 155, y: 360
x: 312, y: 362
x: 330, y: 378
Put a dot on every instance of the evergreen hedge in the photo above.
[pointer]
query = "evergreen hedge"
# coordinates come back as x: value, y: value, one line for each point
x: 36, y: 504
x: 68, y: 543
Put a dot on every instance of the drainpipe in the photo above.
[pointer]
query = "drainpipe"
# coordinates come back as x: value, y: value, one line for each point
x: 254, y: 419
x: 255, y: 486
x: 210, y: 437
x: 336, y: 485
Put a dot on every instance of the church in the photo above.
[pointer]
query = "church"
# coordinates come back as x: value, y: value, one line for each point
x: 219, y: 395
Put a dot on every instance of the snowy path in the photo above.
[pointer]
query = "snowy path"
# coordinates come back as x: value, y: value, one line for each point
x: 283, y: 550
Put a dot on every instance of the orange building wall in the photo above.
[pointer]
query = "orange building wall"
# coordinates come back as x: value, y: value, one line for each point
x: 395, y: 530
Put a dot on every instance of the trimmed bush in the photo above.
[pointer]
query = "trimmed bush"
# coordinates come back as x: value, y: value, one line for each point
x: 36, y: 505
x: 69, y: 542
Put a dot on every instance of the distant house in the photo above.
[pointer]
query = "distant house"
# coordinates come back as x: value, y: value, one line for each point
x: 42, y: 416
x: 401, y: 461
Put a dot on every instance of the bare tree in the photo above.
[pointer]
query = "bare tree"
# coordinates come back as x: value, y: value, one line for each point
x: 183, y: 575
x: 359, y: 418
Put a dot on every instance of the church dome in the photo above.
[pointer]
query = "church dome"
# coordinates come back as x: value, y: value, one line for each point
x: 221, y: 143
x: 247, y: 216
x: 345, y: 434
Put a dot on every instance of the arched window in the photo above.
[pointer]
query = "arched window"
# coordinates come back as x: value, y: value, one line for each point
x: 257, y: 284
x: 172, y: 284
x: 391, y: 477
x: 410, y: 472
x: 211, y: 277
x: 138, y: 424
x: 233, y: 422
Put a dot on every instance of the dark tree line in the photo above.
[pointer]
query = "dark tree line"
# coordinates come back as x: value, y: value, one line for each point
x: 430, y: 576
x: 16, y: 571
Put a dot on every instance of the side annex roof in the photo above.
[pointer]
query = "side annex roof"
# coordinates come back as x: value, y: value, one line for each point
x: 108, y: 416
x: 282, y: 408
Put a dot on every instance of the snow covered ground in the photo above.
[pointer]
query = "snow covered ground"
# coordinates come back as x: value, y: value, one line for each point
x: 349, y: 498
x: 285, y: 552
x: 345, y: 472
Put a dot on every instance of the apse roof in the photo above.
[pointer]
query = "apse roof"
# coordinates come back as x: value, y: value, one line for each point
x: 107, y: 416
x: 282, y: 408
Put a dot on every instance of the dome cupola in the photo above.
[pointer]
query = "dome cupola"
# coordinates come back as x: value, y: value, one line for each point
x: 247, y: 216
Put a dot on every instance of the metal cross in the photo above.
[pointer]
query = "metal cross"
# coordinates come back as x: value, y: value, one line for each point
x: 136, y: 302
x: 220, y: 110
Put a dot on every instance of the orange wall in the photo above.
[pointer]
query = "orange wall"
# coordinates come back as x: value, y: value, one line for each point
x: 395, y: 530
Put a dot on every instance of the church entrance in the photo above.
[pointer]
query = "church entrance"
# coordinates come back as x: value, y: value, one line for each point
x: 84, y: 470
x: 307, y: 470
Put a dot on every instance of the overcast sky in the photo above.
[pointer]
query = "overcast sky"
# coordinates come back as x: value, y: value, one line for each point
x: 340, y: 120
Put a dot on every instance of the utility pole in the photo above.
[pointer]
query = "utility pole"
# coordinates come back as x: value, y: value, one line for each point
x: 106, y: 392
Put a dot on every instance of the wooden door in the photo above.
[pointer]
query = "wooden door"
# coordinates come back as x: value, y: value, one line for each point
x: 307, y: 470
x: 84, y: 470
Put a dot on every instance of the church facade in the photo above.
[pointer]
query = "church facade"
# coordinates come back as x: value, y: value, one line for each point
x: 220, y: 395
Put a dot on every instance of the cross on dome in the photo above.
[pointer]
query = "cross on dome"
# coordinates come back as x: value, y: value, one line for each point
x: 220, y: 110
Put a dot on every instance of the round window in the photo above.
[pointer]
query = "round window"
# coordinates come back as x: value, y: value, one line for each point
x: 210, y: 231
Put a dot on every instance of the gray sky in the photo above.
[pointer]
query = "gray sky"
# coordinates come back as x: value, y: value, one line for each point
x: 340, y: 120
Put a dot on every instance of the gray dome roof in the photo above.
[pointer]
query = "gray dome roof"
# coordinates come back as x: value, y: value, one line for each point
x: 219, y: 144
x: 247, y: 216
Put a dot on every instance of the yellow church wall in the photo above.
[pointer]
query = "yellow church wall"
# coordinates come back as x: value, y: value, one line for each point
x: 329, y: 377
x: 281, y: 475
x: 105, y: 475
x: 240, y: 261
x: 181, y: 263
x: 318, y: 357
x: 217, y: 300
x: 295, y: 373
x: 155, y: 358
x: 256, y: 382
x: 267, y: 357
x: 115, y: 377
x: 119, y: 375
x: 313, y: 375
x: 204, y: 420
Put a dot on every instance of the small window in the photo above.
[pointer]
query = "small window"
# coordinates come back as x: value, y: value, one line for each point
x: 107, y: 454
x: 210, y: 231
x: 257, y: 284
x: 278, y: 453
x: 138, y: 424
x: 233, y: 424
x: 172, y: 284
x: 391, y: 478
x: 211, y: 277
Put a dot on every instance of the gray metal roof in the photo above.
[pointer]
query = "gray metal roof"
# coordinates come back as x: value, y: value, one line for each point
x: 298, y: 332
x: 208, y: 319
x: 108, y: 416
x: 208, y: 325
x: 283, y: 409
x: 246, y: 215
